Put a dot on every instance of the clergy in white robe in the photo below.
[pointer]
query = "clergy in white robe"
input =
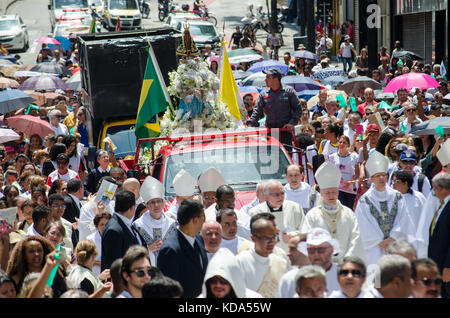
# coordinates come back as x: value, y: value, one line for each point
x: 184, y: 185
x: 227, y: 218
x: 224, y: 265
x: 295, y: 189
x: 382, y: 212
x: 331, y: 215
x: 260, y: 198
x: 154, y: 226
x: 88, y: 212
x: 288, y: 214
x: 262, y: 269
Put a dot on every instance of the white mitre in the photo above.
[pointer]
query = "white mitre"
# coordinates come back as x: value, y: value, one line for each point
x: 210, y: 180
x: 184, y: 184
x: 377, y: 163
x: 152, y: 189
x: 444, y: 153
x: 328, y: 176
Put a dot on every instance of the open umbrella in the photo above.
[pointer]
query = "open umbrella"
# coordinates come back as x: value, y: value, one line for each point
x: 74, y: 82
x: 243, y: 55
x: 334, y: 80
x: 64, y: 42
x: 249, y: 89
x: 9, y: 58
x: 331, y: 93
x: 7, y: 134
x: 307, y: 94
x: 268, y: 64
x: 407, y: 55
x: 352, y: 86
x: 410, y: 80
x: 256, y: 79
x: 300, y: 83
x: 327, y: 72
x: 240, y: 74
x: 50, y: 67
x: 43, y: 82
x: 9, y: 70
x: 47, y: 40
x: 428, y: 127
x: 31, y: 74
x: 4, y: 62
x: 30, y: 125
x: 7, y: 82
x: 13, y: 99
x: 303, y: 54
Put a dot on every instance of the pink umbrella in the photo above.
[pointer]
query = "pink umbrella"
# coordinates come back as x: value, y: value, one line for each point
x: 410, y: 80
x: 30, y: 125
x: 47, y: 40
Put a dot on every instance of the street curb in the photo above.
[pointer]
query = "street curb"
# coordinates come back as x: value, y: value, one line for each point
x: 9, y: 4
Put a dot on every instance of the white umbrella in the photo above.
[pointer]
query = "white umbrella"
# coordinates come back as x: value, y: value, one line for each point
x: 74, y: 82
x: 7, y: 134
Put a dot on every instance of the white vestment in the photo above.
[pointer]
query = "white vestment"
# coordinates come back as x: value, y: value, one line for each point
x: 423, y: 227
x: 172, y: 212
x: 87, y: 214
x: 340, y: 294
x: 370, y: 230
x: 233, y: 245
x: 300, y: 195
x: 96, y: 238
x: 415, y: 202
x: 243, y: 220
x: 247, y: 207
x: 347, y: 229
x: 286, y: 287
x: 152, y: 230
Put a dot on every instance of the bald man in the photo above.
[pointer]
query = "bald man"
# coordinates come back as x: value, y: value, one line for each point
x: 369, y: 100
x: 261, y: 267
x: 133, y: 185
x: 212, y: 236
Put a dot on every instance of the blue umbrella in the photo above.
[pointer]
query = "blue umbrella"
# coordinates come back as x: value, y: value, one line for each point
x: 64, y: 42
x: 249, y: 89
x: 307, y: 94
x: 334, y: 80
x: 300, y: 83
x: 8, y: 57
x: 267, y: 64
x: 13, y: 99
x: 303, y: 54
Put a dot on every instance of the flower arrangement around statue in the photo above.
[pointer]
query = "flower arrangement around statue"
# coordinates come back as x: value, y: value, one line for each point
x: 196, y: 88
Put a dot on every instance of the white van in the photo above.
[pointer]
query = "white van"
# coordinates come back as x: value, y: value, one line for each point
x: 76, y: 11
x: 128, y: 12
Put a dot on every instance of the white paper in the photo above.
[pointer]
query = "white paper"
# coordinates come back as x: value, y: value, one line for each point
x: 9, y: 215
x: 106, y: 192
x: 111, y: 144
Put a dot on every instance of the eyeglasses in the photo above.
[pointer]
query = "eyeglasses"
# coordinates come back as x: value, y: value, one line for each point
x: 428, y: 282
x: 59, y: 206
x: 368, y: 114
x: 215, y: 280
x: 355, y: 273
x: 268, y: 240
x: 410, y: 110
x: 141, y: 272
x: 276, y: 195
x: 320, y: 250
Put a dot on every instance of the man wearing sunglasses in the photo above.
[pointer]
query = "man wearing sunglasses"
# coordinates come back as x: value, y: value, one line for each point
x: 427, y: 279
x: 351, y: 277
x: 136, y: 270
x: 411, y: 118
x: 54, y: 117
x: 320, y: 248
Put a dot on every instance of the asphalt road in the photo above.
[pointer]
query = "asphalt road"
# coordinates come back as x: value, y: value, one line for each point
x: 228, y: 13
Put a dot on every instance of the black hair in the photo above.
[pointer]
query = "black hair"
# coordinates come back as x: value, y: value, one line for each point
x: 336, y: 130
x: 357, y: 112
x: 124, y: 201
x: 39, y: 213
x: 55, y: 197
x: 316, y: 124
x: 265, y: 215
x: 383, y: 140
x: 74, y: 185
x: 304, y: 140
x: 188, y: 210
x: 56, y: 150
x: 62, y: 157
x: 427, y: 262
x: 133, y: 254
x: 21, y: 155
x: 320, y: 130
x: 209, y: 294
x: 222, y: 190
x: 68, y: 140
x: 404, y: 176
x: 162, y: 287
x: 228, y: 212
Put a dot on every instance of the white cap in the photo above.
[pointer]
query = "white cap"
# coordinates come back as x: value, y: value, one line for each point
x: 210, y: 180
x: 328, y: 176
x: 184, y: 184
x: 444, y: 153
x: 377, y: 163
x: 316, y: 237
x: 152, y: 189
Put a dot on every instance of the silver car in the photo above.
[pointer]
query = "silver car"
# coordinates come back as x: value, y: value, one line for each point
x: 13, y: 33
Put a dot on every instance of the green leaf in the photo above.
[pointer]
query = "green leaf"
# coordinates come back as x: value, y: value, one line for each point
x: 403, y: 128
x: 440, y: 131
x: 341, y: 100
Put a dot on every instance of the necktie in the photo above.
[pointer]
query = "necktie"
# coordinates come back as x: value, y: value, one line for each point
x: 433, y: 223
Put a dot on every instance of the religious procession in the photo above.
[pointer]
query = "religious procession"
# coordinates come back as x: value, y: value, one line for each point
x: 160, y: 158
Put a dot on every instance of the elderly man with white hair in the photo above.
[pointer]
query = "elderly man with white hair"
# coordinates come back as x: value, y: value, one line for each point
x: 54, y: 117
x: 332, y: 216
x: 311, y: 282
x: 260, y: 198
x: 288, y: 214
x: 154, y: 226
x: 382, y: 212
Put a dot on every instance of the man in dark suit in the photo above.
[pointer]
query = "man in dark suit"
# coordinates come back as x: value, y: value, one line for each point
x: 72, y: 201
x: 119, y: 233
x: 183, y: 256
x: 439, y: 243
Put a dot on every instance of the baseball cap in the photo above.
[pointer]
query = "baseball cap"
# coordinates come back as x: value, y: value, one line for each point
x: 401, y: 147
x: 273, y: 71
x: 10, y: 149
x: 372, y: 127
x: 408, y: 155
x: 316, y: 237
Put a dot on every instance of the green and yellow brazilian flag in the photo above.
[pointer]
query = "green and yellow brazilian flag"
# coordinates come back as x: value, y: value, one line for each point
x: 154, y: 99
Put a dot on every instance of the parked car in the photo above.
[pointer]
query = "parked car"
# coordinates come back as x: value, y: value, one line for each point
x: 13, y: 33
x: 202, y: 31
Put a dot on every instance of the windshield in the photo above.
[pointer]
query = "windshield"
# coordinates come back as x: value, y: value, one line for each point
x: 9, y: 24
x: 61, y: 4
x: 206, y: 30
x: 241, y: 167
x: 123, y: 4
x: 95, y: 2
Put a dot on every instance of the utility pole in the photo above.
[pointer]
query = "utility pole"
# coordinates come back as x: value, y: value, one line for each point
x: 273, y: 20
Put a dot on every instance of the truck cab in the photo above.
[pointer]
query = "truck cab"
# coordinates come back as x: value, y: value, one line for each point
x: 69, y: 10
x: 126, y: 10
